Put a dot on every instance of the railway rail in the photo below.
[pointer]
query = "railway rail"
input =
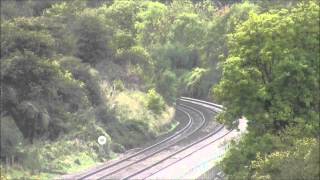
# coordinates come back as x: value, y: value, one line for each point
x: 133, y: 175
x: 89, y: 174
x: 143, y: 160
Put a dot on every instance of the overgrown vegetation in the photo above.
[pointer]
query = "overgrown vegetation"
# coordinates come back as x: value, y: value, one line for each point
x: 271, y: 77
x: 74, y: 70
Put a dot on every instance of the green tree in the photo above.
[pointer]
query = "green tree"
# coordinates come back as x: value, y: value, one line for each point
x: 60, y: 21
x: 13, y: 9
x: 23, y: 34
x: 85, y: 73
x: 192, y: 83
x: 278, y: 4
x: 271, y: 75
x: 122, y: 14
x: 187, y: 29
x: 38, y: 94
x: 136, y: 55
x: 226, y: 20
x: 93, y: 43
x: 151, y: 23
x: 175, y: 56
x: 298, y: 162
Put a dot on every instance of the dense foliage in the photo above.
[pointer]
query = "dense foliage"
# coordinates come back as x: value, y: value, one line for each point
x: 74, y: 70
x: 271, y: 77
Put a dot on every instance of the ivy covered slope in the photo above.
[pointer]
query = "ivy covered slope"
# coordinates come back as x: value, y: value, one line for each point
x: 271, y: 77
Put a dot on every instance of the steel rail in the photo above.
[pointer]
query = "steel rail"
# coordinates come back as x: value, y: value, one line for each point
x: 203, y: 102
x: 215, y: 111
x: 159, y: 150
x: 190, y: 121
x: 175, y: 153
x: 184, y: 157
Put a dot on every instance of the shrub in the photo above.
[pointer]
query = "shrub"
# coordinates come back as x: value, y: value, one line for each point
x: 167, y: 85
x: 155, y: 101
x: 118, y: 85
x: 11, y: 137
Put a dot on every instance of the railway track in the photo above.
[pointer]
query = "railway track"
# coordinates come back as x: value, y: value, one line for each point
x: 143, y: 160
x: 90, y: 174
x: 177, y: 159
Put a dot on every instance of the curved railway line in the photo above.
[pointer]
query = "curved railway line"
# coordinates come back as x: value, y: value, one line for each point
x: 87, y: 175
x: 189, y: 135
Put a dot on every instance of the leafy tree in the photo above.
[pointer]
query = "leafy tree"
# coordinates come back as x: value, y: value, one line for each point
x: 13, y: 9
x: 122, y: 14
x: 123, y: 41
x: 271, y: 78
x: 298, y: 162
x: 22, y: 34
x: 60, y: 21
x: 64, y: 11
x: 39, y: 7
x: 176, y: 56
x: 177, y: 7
x: 192, y: 83
x: 278, y: 4
x: 85, y: 73
x: 151, y: 24
x: 140, y: 63
x: 39, y: 95
x: 93, y: 44
x: 237, y: 161
x: 187, y: 29
x: 270, y: 68
x: 226, y: 20
x: 206, y: 9
x: 136, y: 55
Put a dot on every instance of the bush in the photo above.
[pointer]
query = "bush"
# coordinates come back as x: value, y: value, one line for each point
x: 32, y: 160
x: 167, y: 85
x: 176, y: 56
x: 155, y: 101
x: 193, y: 83
x: 118, y: 85
x: 117, y: 148
x: 11, y: 137
x: 298, y: 162
x: 86, y: 74
x: 135, y: 122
